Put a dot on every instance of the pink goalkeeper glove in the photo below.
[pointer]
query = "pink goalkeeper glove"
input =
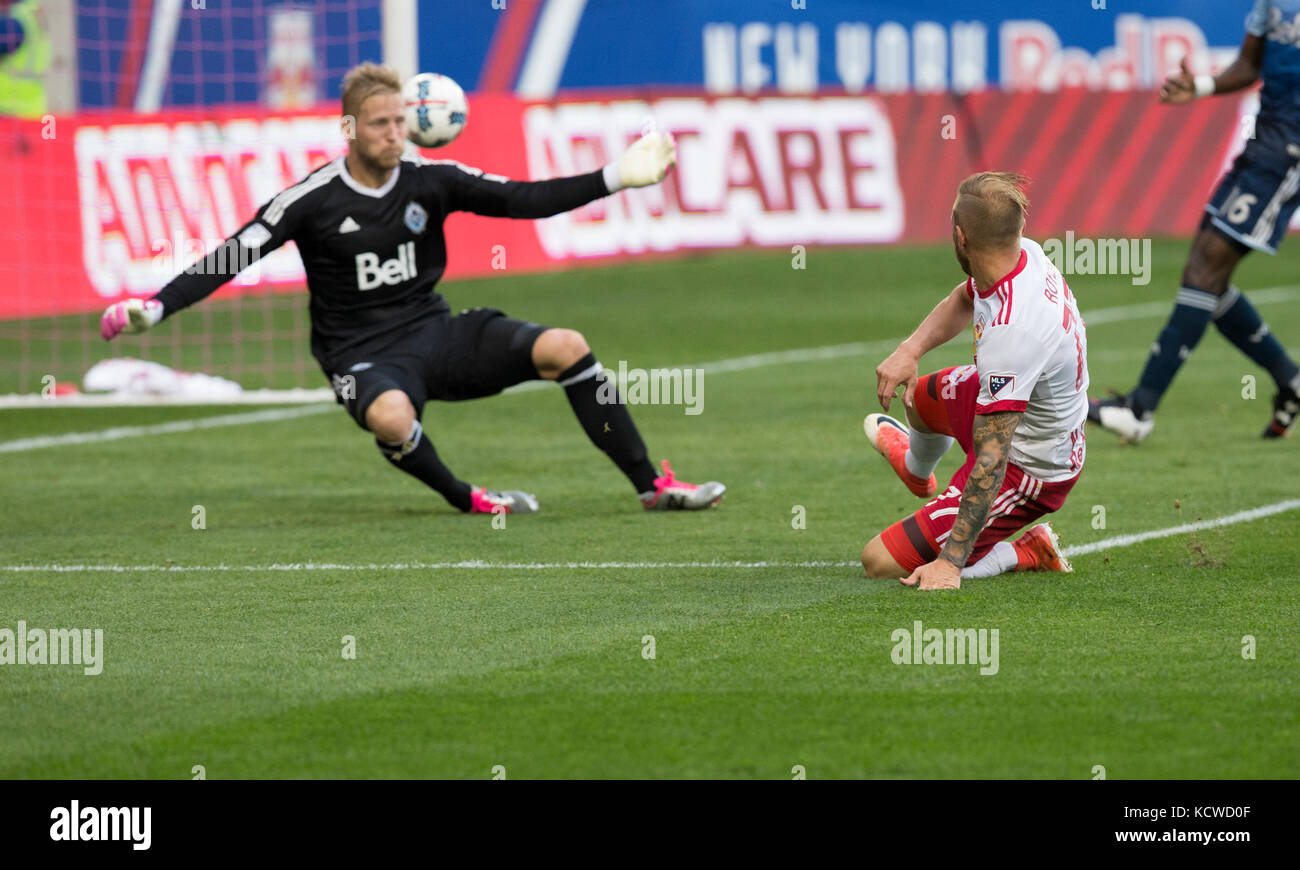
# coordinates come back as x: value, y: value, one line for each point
x: 130, y: 316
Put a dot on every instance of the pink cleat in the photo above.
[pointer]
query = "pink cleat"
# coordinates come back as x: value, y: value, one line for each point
x: 486, y: 501
x: 672, y: 494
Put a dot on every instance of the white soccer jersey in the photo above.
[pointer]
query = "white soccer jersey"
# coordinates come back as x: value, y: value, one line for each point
x: 1031, y: 353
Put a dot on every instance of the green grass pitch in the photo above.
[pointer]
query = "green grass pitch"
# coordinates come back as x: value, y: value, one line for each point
x: 1134, y: 662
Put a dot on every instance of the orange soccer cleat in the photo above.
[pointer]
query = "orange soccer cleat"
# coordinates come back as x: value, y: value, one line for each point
x: 890, y: 437
x: 1039, y: 549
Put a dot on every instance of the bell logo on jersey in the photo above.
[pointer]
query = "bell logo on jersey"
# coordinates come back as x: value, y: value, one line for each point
x: 998, y: 382
x: 371, y: 273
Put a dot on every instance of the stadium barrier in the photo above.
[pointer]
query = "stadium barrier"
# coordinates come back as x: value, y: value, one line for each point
x: 115, y: 204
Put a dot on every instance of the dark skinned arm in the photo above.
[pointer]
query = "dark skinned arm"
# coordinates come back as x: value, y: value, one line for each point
x: 1241, y: 73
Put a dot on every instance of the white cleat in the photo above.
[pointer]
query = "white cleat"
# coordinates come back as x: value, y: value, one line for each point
x: 1127, y: 425
x: 1114, y: 415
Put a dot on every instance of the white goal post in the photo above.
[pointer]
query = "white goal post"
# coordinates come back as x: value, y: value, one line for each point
x: 401, y: 36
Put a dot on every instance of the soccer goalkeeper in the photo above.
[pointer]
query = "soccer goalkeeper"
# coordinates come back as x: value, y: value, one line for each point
x: 368, y: 226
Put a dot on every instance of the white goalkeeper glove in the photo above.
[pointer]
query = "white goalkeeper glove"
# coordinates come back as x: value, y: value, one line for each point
x: 645, y: 163
x: 129, y: 317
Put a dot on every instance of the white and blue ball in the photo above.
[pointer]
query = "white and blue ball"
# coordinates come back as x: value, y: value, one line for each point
x: 436, y: 109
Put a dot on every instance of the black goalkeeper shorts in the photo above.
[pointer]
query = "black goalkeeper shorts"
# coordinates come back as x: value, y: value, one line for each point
x: 473, y: 354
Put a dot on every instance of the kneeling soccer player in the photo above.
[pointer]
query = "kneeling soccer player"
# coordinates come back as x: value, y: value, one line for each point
x: 1018, y: 412
x: 369, y: 227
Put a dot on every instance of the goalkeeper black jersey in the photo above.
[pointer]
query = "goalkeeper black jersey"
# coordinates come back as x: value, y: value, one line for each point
x: 373, y: 256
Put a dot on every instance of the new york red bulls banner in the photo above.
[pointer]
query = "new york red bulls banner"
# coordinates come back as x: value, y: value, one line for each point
x: 107, y: 205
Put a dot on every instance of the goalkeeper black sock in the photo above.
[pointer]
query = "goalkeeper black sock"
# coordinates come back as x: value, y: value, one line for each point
x: 417, y: 458
x: 605, y: 419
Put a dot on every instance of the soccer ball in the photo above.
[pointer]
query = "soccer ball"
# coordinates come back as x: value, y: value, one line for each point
x: 436, y: 110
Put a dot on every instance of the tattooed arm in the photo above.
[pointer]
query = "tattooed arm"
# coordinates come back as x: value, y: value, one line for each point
x: 992, y: 446
x: 992, y: 439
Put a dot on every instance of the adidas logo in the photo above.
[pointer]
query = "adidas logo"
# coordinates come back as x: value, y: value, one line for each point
x: 349, y: 225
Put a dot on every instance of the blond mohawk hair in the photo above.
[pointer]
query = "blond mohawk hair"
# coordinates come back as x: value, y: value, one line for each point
x: 364, y: 81
x: 990, y: 209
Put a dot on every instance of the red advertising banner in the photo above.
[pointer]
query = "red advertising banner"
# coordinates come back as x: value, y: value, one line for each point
x: 109, y: 205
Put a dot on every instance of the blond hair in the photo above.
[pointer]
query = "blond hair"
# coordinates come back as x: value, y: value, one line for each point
x: 990, y: 209
x: 366, y: 80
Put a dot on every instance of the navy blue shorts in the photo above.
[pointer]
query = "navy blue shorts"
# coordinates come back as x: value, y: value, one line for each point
x: 1254, y: 202
x: 476, y: 353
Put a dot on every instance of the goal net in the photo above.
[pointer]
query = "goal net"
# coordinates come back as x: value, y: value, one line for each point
x: 164, y: 125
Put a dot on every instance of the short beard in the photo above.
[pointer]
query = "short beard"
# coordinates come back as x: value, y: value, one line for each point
x: 374, y: 167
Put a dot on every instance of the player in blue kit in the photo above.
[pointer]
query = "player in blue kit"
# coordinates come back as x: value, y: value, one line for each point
x: 1249, y: 210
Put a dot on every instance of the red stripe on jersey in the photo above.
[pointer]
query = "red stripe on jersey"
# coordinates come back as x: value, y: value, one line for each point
x: 1004, y: 314
x: 1003, y: 405
x: 1009, y: 277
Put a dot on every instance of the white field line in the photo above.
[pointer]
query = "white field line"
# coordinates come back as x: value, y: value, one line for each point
x: 120, y: 432
x: 294, y: 396
x: 1245, y: 516
x: 1265, y: 296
